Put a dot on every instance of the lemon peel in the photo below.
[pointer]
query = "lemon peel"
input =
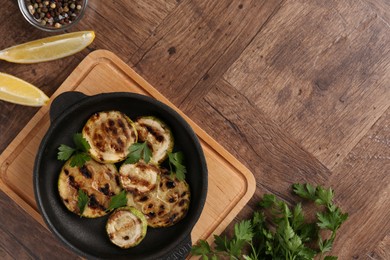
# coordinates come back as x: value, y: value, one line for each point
x: 18, y: 91
x: 49, y: 48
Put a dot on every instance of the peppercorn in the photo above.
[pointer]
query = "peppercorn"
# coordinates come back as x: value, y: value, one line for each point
x: 54, y: 13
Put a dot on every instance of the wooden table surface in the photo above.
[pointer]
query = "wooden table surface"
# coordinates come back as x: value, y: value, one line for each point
x: 297, y: 90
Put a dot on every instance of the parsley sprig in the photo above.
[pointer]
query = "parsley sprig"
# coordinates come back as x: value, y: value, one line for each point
x: 80, y: 155
x: 284, y: 234
x: 176, y: 165
x: 138, y: 151
x: 82, y: 201
x: 118, y: 200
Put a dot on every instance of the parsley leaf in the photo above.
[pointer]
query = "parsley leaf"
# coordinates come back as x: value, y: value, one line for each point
x: 298, y: 219
x: 324, y: 196
x: 331, y: 220
x: 64, y: 152
x: 80, y: 155
x: 305, y: 191
x: 325, y: 245
x: 243, y: 230
x: 117, y: 201
x: 81, y: 143
x: 82, y: 201
x: 176, y: 162
x: 202, y: 249
x: 138, y: 151
x: 267, y: 201
x: 79, y: 159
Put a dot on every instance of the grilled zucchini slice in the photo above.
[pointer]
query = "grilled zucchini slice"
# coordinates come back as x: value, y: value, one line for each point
x: 98, y: 181
x: 110, y: 134
x: 157, y: 134
x: 166, y: 205
x: 139, y: 177
x: 126, y: 227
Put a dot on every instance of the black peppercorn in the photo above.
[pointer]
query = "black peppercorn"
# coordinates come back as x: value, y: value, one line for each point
x: 54, y: 13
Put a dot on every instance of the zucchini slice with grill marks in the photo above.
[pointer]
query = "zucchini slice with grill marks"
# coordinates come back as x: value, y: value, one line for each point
x: 139, y: 177
x: 166, y: 205
x: 98, y: 181
x: 157, y: 134
x: 126, y: 227
x: 110, y: 134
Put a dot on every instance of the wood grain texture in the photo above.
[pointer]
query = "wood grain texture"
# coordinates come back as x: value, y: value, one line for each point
x: 382, y: 8
x: 22, y: 238
x: 268, y: 152
x: 382, y: 250
x: 364, y: 190
x: 122, y: 26
x: 286, y: 73
x: 199, y: 36
x: 297, y: 90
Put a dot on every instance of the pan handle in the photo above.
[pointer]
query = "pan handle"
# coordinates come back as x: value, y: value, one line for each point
x: 64, y: 101
x: 182, y: 250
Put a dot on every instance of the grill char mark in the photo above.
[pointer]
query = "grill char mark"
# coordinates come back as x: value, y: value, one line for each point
x: 123, y: 127
x: 85, y: 172
x: 117, y: 180
x: 139, y: 182
x: 170, y: 184
x: 94, y: 203
x: 159, y: 138
x: 105, y: 190
x: 73, y: 183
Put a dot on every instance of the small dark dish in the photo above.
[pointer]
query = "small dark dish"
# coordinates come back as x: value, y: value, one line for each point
x: 87, y: 237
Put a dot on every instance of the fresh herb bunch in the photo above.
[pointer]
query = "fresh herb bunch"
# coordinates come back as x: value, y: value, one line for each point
x: 283, y: 235
x: 80, y: 153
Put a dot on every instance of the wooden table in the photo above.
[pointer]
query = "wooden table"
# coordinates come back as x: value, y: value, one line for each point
x: 297, y: 90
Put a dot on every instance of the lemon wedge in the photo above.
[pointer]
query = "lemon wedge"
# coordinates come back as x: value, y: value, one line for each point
x: 18, y: 91
x: 50, y: 48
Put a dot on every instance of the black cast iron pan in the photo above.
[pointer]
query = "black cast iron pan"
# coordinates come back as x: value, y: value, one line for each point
x: 87, y: 237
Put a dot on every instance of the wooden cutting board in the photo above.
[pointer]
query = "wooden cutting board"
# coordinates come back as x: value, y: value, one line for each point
x: 231, y: 185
